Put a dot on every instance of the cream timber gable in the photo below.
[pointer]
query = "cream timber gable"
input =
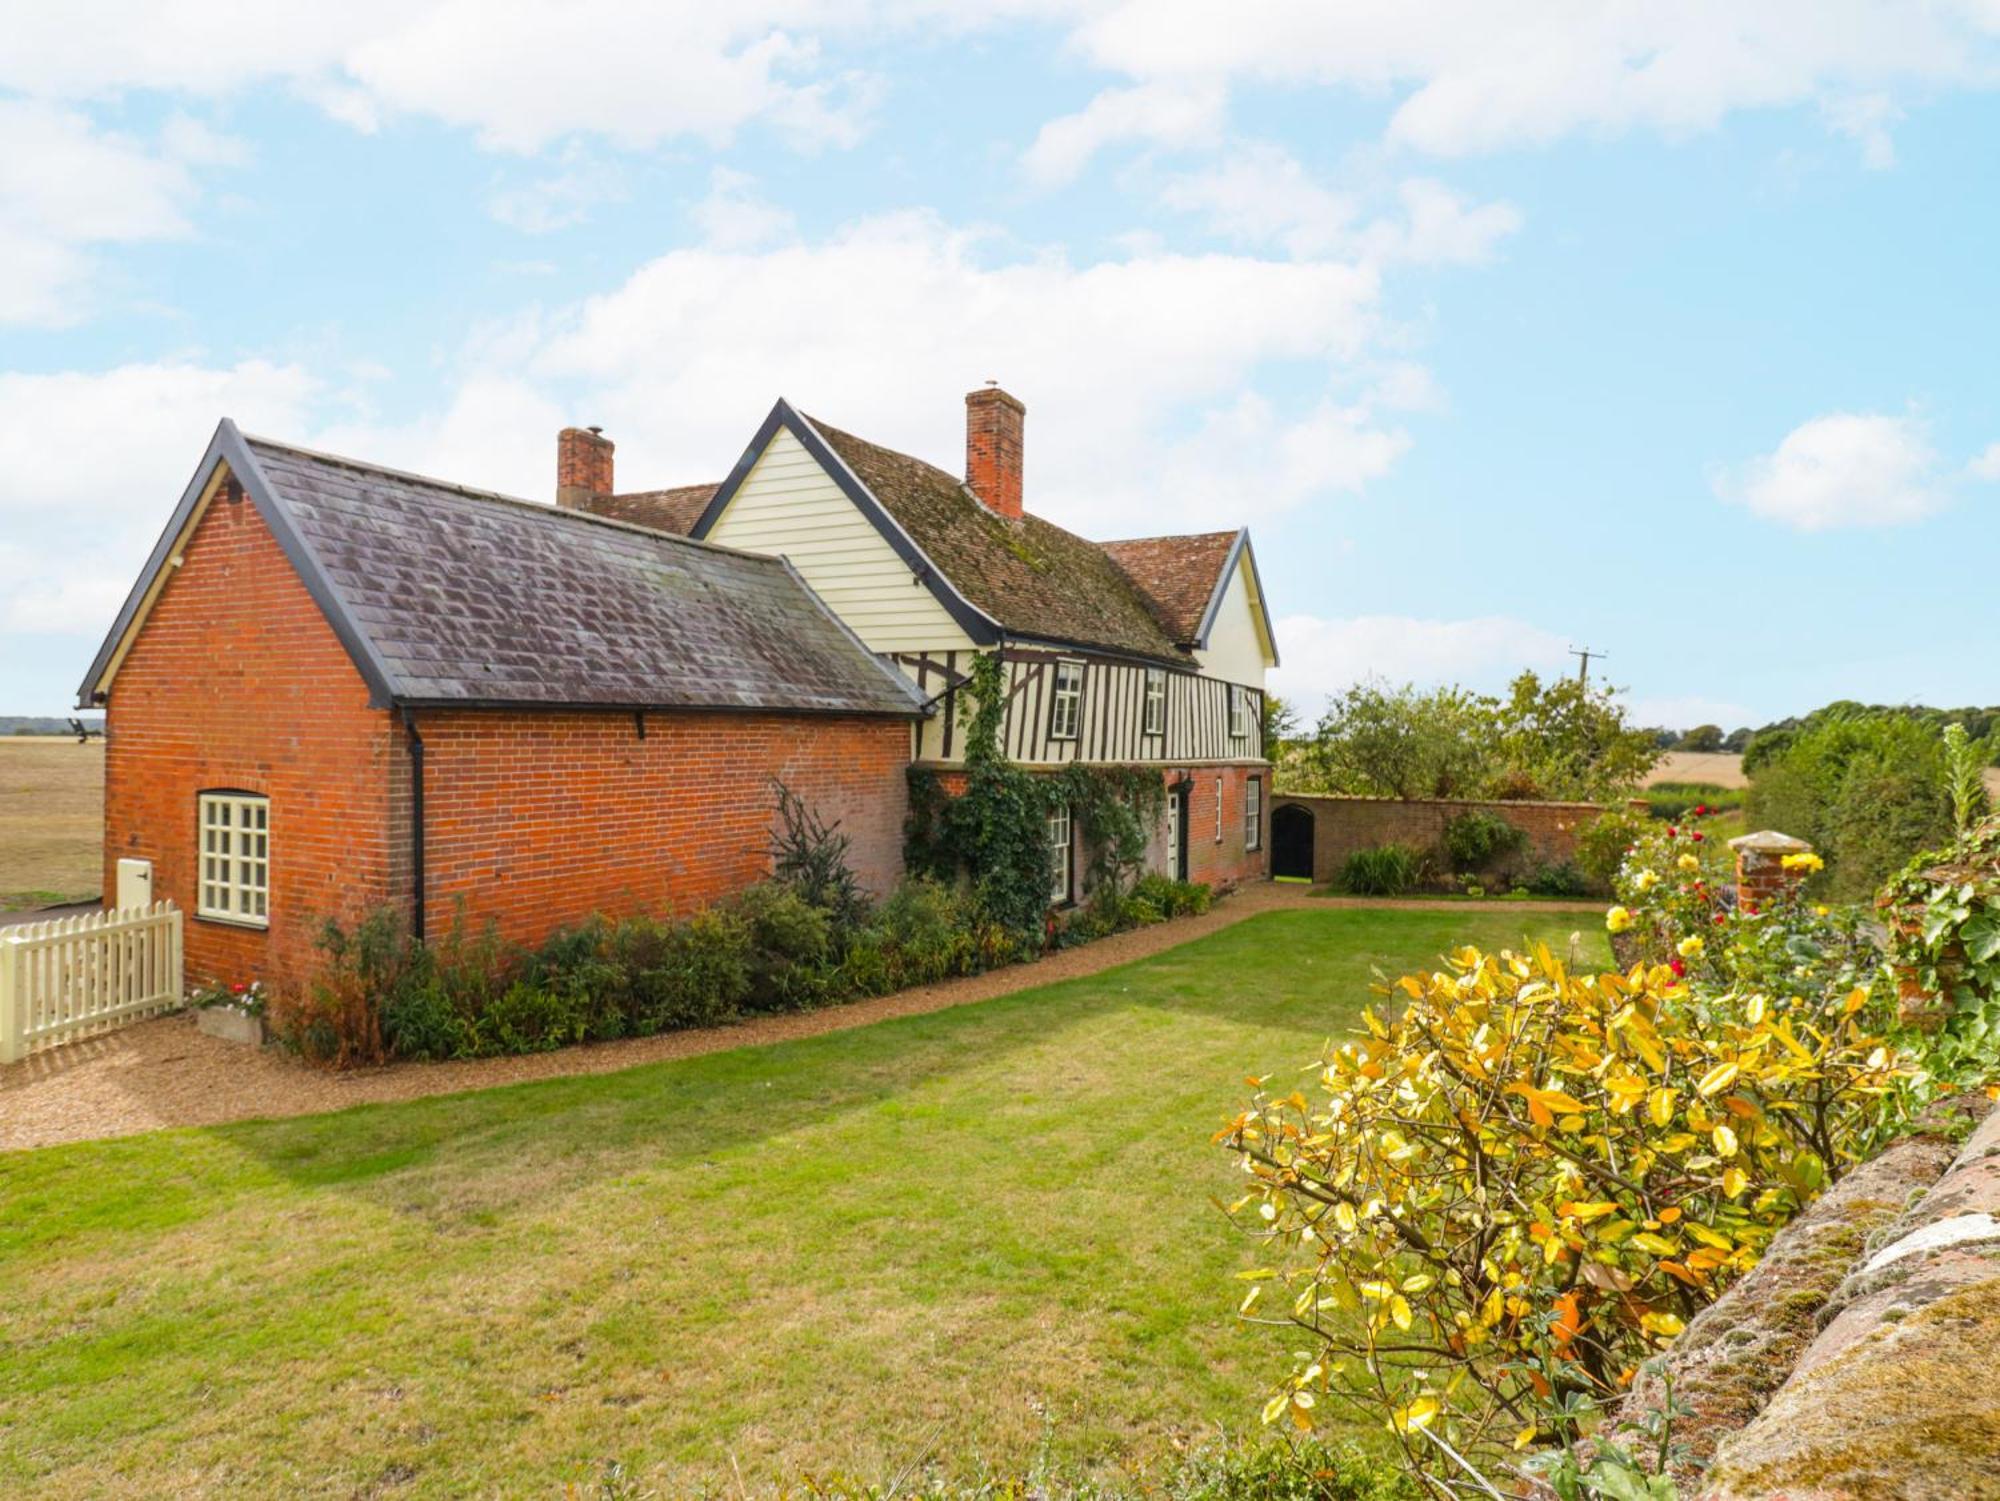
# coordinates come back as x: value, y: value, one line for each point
x: 1238, y: 648
x: 790, y: 506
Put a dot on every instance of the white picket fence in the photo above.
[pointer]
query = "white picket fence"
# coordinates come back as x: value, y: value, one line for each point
x: 65, y: 979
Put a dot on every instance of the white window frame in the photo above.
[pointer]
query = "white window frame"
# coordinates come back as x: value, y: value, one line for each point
x: 1253, y: 814
x: 1061, y: 833
x: 233, y: 858
x: 1155, y: 720
x: 1239, y: 713
x: 1066, y: 701
x: 1218, y: 810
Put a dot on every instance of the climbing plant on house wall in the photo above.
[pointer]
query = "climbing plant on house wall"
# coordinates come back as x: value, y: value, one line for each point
x: 995, y: 833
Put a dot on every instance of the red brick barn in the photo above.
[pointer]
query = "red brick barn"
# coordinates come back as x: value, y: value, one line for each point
x: 336, y: 685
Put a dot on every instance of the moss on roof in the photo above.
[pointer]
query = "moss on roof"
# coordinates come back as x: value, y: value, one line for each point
x: 1031, y: 576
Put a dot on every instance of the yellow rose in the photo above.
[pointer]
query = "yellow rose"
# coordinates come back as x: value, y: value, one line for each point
x: 1807, y: 862
x: 1618, y: 919
x: 1688, y: 948
x: 1688, y: 863
x: 1645, y: 881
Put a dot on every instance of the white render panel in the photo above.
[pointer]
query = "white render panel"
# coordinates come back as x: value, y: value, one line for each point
x: 1236, y: 647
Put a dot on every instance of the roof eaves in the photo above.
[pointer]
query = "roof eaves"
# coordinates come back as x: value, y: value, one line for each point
x: 919, y: 706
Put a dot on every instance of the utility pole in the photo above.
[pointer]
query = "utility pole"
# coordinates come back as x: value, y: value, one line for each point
x: 1583, y: 655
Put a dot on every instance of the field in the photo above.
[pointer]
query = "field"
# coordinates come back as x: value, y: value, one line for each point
x: 972, y: 1233
x: 1715, y: 768
x: 51, y: 821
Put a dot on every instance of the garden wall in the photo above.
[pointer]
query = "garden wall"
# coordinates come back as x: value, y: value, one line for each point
x: 1343, y: 825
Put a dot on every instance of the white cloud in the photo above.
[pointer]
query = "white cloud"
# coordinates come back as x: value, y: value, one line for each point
x: 1169, y: 113
x: 67, y: 186
x: 883, y: 327
x: 1480, y: 75
x: 519, y: 73
x: 84, y: 510
x: 1260, y: 195
x: 735, y: 217
x: 1987, y: 465
x: 560, y: 199
x: 1323, y: 656
x: 1844, y: 469
x: 1865, y: 119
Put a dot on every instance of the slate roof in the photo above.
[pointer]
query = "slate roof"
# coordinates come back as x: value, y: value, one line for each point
x: 446, y: 596
x: 1177, y: 576
x: 674, y: 510
x: 1031, y: 577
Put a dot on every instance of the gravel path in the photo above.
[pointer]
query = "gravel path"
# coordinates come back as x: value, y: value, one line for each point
x: 165, y: 1073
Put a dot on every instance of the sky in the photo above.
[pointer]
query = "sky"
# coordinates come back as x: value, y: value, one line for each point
x: 1508, y: 326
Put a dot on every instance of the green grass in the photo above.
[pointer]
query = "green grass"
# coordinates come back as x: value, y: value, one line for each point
x: 982, y: 1225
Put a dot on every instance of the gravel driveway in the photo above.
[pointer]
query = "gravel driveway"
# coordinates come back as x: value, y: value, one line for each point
x: 165, y: 1073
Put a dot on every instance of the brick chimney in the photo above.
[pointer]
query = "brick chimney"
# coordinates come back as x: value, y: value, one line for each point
x: 583, y: 465
x: 993, y: 422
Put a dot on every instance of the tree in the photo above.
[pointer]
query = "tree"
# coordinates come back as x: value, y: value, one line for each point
x: 1398, y: 742
x: 1703, y: 737
x: 1569, y: 741
x: 1281, y: 724
x: 1737, y: 740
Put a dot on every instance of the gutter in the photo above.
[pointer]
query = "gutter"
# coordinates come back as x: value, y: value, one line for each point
x: 416, y: 744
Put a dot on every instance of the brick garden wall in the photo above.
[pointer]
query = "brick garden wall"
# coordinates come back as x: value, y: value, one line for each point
x: 1343, y: 825
x: 541, y: 819
x: 237, y: 681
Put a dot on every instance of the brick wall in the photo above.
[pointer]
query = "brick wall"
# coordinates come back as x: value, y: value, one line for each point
x: 1343, y: 825
x: 237, y: 681
x: 542, y: 819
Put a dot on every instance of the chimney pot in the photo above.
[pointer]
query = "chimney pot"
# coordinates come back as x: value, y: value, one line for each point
x: 993, y: 448
x: 583, y: 466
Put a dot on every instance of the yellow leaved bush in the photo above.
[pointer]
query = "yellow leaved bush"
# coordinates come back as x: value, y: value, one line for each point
x: 1485, y: 1211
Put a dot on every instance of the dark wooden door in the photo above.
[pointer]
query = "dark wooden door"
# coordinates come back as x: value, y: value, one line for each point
x: 1292, y: 841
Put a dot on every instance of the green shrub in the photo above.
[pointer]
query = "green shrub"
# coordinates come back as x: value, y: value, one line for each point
x: 528, y: 1017
x: 793, y: 964
x: 1867, y: 790
x: 1173, y: 898
x: 929, y: 929
x: 1385, y: 870
x: 1601, y: 848
x: 692, y: 973
x: 1560, y: 879
x: 1477, y: 840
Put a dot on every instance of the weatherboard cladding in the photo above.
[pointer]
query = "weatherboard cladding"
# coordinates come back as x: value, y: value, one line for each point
x: 474, y: 599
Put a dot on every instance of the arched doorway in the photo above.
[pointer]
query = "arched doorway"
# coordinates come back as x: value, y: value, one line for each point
x: 1292, y: 841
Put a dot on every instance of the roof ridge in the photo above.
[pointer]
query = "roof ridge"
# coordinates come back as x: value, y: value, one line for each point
x: 1230, y: 531
x: 520, y: 502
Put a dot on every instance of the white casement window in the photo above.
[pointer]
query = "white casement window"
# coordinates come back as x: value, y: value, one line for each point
x: 1059, y: 856
x: 1253, y: 813
x: 1218, y: 810
x: 1156, y: 701
x: 1239, y: 713
x: 235, y: 882
x: 1066, y: 705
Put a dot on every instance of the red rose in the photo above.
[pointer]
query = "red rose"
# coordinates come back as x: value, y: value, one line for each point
x: 1723, y: 917
x: 1677, y: 967
x: 1698, y: 836
x: 1672, y: 832
x: 238, y: 989
x: 1701, y: 807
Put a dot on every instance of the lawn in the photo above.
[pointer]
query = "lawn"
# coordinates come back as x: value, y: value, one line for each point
x: 969, y: 1229
x: 51, y: 820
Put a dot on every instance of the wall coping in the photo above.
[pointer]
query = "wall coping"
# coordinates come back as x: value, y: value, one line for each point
x: 1432, y: 802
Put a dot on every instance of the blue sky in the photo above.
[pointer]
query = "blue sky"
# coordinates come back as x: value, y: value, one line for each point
x: 1506, y: 326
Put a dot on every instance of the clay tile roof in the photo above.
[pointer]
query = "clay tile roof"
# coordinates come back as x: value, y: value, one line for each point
x: 1031, y: 577
x: 1176, y: 576
x: 461, y: 596
x: 674, y: 510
